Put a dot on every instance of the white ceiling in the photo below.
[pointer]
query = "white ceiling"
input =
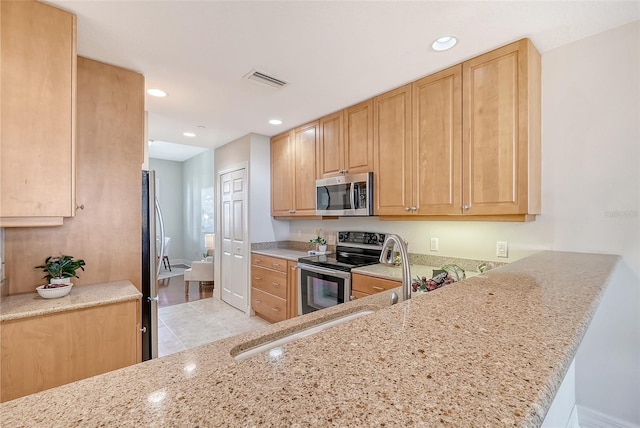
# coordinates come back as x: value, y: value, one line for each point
x: 333, y: 53
x: 172, y: 151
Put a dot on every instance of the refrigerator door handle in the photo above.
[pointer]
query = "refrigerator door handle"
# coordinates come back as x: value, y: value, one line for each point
x: 161, y: 223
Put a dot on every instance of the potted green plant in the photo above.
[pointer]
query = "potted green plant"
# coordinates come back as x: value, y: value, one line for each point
x: 320, y: 242
x: 60, y: 270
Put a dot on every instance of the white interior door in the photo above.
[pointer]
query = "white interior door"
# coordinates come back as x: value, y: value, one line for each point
x: 233, y: 266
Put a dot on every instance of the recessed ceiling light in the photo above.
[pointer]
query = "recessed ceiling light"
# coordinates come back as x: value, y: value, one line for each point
x: 444, y: 43
x: 275, y: 122
x: 156, y: 92
x: 188, y: 134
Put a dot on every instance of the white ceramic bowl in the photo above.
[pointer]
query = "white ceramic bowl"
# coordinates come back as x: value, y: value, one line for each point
x: 53, y: 293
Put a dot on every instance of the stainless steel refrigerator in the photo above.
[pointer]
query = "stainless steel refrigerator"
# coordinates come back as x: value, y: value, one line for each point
x: 152, y: 252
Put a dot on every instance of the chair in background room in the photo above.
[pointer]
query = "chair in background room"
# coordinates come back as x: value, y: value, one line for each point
x: 201, y: 271
x: 165, y: 257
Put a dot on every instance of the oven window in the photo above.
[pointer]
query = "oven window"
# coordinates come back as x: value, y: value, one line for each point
x: 320, y: 291
x: 323, y: 293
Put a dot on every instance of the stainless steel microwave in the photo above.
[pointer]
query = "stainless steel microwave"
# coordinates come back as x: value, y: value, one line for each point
x: 346, y: 195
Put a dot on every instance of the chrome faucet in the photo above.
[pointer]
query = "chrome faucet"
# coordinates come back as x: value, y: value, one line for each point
x: 386, y: 257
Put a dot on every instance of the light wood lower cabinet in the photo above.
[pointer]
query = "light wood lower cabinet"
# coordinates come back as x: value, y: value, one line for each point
x: 274, y: 288
x: 365, y: 285
x: 43, y: 352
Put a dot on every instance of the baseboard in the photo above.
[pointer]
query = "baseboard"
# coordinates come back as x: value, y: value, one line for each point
x: 589, y: 418
x: 573, y: 418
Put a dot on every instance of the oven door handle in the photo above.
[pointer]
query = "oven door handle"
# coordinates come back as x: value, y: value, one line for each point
x: 324, y: 271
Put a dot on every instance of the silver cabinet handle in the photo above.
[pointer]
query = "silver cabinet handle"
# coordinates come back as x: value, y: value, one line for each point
x: 276, y: 264
x: 414, y: 208
x: 466, y: 207
x: 143, y: 329
x: 292, y: 211
x: 152, y: 299
x: 258, y: 301
x: 257, y: 278
x: 275, y: 284
x: 375, y: 287
x: 407, y: 209
x: 258, y: 261
x: 275, y: 309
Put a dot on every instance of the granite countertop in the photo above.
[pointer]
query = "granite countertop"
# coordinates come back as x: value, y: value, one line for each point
x: 31, y: 304
x: 488, y: 351
x: 283, y: 253
x: 394, y: 273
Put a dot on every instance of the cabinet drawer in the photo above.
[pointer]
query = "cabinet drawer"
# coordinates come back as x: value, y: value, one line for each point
x: 272, y: 282
x: 269, y: 262
x: 371, y: 285
x: 269, y: 306
x: 358, y: 294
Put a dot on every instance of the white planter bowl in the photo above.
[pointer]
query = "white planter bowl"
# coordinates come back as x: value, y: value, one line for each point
x: 54, y: 293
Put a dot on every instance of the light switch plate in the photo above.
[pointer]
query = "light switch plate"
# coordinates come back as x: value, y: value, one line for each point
x: 502, y: 249
x: 434, y: 244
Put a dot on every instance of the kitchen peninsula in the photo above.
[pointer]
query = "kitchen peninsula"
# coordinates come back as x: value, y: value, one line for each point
x: 489, y: 351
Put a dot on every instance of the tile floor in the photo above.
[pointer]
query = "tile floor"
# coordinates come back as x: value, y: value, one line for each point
x: 192, y: 324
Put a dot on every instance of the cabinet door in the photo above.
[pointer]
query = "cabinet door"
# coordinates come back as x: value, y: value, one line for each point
x: 330, y: 146
x: 282, y: 175
x: 392, y: 144
x: 304, y: 169
x: 37, y: 164
x: 358, y: 137
x: 292, y: 298
x: 51, y: 350
x: 498, y: 87
x: 437, y: 143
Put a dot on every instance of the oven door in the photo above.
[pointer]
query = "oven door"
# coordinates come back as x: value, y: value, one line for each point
x: 321, y: 288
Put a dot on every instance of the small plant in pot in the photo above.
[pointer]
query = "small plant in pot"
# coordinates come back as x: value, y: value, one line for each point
x: 320, y: 242
x: 60, y: 270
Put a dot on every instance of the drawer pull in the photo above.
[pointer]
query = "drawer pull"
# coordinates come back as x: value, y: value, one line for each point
x: 257, y: 277
x: 258, y: 301
x: 276, y: 264
x: 275, y: 309
x: 275, y: 284
x: 375, y: 287
x: 258, y: 261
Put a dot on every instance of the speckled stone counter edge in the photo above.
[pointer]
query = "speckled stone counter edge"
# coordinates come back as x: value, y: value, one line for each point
x: 28, y: 305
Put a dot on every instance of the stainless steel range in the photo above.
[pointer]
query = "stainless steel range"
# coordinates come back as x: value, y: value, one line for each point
x: 325, y: 280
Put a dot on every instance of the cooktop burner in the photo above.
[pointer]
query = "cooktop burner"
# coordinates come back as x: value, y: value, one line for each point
x: 354, y: 249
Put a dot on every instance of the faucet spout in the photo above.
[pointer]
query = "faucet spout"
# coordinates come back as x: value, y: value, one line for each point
x: 387, y: 258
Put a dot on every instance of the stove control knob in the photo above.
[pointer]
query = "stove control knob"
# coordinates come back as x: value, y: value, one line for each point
x: 342, y: 236
x: 373, y: 238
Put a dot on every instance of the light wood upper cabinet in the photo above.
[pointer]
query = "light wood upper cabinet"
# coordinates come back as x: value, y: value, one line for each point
x: 501, y: 142
x: 281, y: 175
x: 345, y: 144
x: 293, y: 172
x: 358, y: 136
x: 331, y: 146
x: 37, y: 150
x: 392, y: 151
x: 305, y: 140
x: 437, y: 143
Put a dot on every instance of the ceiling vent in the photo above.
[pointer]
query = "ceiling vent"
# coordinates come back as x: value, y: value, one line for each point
x: 265, y: 79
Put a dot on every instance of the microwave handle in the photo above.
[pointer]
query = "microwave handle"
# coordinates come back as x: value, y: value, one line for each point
x: 352, y: 197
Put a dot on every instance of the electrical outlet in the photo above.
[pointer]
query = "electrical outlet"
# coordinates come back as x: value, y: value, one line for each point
x: 502, y: 249
x: 434, y: 244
